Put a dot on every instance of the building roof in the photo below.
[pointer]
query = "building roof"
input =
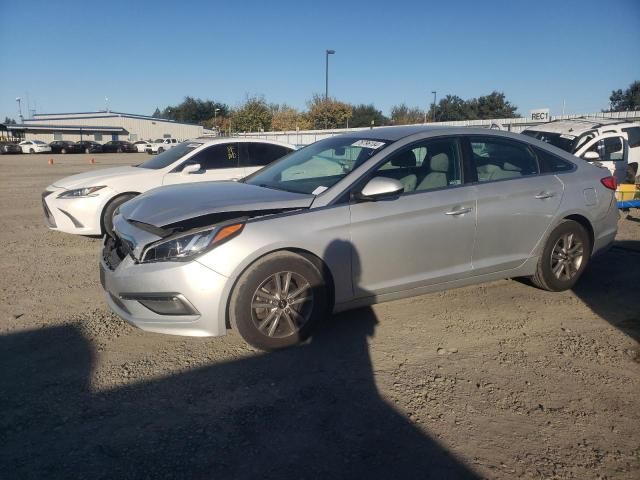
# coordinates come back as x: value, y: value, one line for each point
x: 101, y: 114
x: 85, y: 128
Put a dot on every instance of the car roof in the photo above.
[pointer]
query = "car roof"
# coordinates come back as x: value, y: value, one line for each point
x: 215, y: 140
x: 577, y: 126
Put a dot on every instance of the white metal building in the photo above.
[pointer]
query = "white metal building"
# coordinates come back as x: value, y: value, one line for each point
x: 104, y: 126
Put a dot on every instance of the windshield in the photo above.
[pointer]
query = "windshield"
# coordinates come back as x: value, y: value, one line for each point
x: 157, y: 140
x: 39, y: 142
x: 317, y: 167
x: 169, y: 156
x: 565, y: 142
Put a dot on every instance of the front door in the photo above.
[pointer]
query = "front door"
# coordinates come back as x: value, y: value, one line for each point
x: 217, y: 162
x: 612, y: 150
x: 424, y: 236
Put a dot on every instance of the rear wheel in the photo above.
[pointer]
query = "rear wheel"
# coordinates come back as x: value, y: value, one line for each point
x: 119, y: 150
x: 86, y: 150
x: 109, y: 210
x: 31, y: 150
x: 564, y: 258
x: 63, y: 151
x: 160, y: 150
x: 278, y: 300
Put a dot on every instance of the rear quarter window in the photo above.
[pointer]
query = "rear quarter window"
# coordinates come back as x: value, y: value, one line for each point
x: 633, y: 135
x: 550, y: 163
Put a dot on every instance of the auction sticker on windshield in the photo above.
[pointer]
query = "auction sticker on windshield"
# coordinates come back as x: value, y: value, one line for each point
x: 368, y: 144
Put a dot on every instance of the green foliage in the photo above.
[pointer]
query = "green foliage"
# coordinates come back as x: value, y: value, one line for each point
x: 9, y: 121
x: 452, y: 108
x: 628, y: 99
x: 363, y: 116
x: 252, y: 116
x: 328, y: 113
x: 193, y: 110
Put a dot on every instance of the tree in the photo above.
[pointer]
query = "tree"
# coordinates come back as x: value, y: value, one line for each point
x: 9, y: 121
x: 157, y: 113
x: 363, y: 116
x: 193, y: 110
x: 403, y: 115
x: 450, y: 108
x: 252, y: 116
x: 629, y: 99
x: 493, y: 105
x: 328, y: 113
x: 286, y: 118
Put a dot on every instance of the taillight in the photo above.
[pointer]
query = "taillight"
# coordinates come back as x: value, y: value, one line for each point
x: 609, y: 182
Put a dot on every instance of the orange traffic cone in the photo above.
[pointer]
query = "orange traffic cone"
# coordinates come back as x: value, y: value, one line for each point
x: 50, y: 162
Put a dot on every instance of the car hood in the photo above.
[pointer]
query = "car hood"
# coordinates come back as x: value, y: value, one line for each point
x: 99, y: 177
x: 173, y: 204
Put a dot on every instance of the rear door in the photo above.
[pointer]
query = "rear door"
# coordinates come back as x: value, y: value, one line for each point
x: 515, y: 202
x: 424, y: 236
x: 260, y: 154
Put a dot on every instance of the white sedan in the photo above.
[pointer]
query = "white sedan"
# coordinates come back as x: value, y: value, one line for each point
x: 84, y: 204
x: 142, y: 145
x: 34, y: 146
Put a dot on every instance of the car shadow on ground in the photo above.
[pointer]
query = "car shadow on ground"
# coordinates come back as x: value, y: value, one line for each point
x: 313, y: 411
x: 610, y: 285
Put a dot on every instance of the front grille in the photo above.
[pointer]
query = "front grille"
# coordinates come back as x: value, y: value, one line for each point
x: 114, y: 251
x: 51, y: 221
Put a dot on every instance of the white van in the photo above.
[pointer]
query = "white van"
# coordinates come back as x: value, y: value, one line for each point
x: 614, y: 144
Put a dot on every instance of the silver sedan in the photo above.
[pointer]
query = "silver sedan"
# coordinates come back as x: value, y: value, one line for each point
x: 354, y: 220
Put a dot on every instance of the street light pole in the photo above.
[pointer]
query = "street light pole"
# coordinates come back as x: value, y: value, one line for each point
x: 326, y: 73
x: 433, y: 116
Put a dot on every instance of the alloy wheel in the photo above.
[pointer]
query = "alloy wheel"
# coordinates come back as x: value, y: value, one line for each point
x: 282, y: 304
x: 567, y: 256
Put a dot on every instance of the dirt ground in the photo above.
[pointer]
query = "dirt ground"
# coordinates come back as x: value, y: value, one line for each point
x: 494, y: 381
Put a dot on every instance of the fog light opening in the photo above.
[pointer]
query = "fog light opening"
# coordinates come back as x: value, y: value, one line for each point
x: 165, y: 304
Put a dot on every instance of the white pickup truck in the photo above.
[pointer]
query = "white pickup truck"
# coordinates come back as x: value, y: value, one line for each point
x: 162, y: 144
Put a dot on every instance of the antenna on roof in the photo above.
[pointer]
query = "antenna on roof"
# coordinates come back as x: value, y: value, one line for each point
x: 106, y: 104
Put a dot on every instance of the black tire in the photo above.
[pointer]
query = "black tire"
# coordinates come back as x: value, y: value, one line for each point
x: 109, y: 210
x: 119, y: 150
x: 312, y: 305
x: 545, y: 277
x: 160, y: 150
x: 31, y: 150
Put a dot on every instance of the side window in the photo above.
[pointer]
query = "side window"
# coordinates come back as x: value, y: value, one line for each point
x: 609, y: 149
x: 426, y: 166
x: 633, y: 134
x: 263, y: 154
x: 549, y: 163
x: 217, y: 156
x: 497, y: 159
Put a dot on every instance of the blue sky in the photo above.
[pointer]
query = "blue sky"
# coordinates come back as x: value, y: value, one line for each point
x: 67, y: 56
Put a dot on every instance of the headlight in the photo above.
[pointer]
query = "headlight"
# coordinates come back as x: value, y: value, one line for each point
x: 188, y: 245
x: 81, y: 192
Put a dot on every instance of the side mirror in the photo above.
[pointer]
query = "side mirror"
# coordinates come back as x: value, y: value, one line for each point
x: 591, y: 156
x: 190, y: 168
x: 379, y: 188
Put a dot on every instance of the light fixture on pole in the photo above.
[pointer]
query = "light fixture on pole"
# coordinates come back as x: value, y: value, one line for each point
x: 18, y: 100
x: 326, y: 73
x: 433, y: 116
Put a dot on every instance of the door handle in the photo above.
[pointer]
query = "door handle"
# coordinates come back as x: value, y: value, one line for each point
x: 458, y: 211
x: 543, y: 195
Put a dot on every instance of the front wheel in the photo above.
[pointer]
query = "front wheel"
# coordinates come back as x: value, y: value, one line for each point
x: 110, y: 209
x: 31, y: 150
x: 86, y: 150
x: 564, y: 258
x: 119, y: 150
x: 278, y: 300
x: 160, y: 150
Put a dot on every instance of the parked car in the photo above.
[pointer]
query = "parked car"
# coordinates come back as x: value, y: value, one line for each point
x: 89, y: 146
x: 142, y: 145
x: 34, y: 146
x: 611, y: 143
x: 8, y: 147
x: 64, y: 146
x: 161, y: 144
x: 353, y: 220
x: 84, y: 204
x: 119, y: 146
